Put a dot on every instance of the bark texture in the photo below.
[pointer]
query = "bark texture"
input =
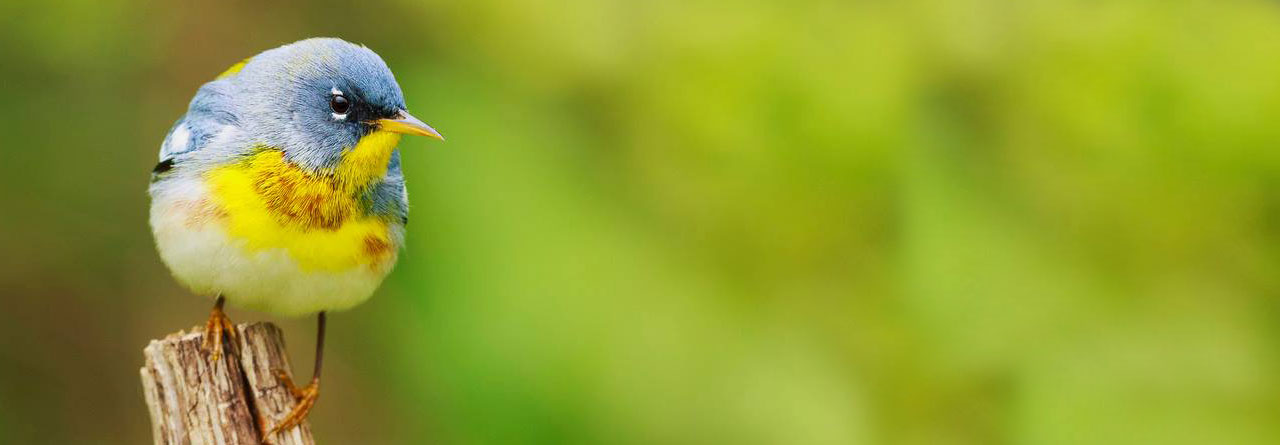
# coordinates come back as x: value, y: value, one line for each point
x: 233, y: 401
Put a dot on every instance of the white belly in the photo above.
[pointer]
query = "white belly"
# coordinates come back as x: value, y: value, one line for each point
x: 202, y: 257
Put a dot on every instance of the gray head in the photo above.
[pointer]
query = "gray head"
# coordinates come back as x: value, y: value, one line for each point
x: 316, y: 99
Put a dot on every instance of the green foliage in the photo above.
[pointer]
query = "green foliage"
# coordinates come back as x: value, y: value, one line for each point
x: 823, y: 222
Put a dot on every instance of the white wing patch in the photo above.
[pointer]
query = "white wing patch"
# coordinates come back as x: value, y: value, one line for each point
x: 178, y: 141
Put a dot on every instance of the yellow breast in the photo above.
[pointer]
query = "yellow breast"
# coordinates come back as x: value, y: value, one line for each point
x: 270, y: 203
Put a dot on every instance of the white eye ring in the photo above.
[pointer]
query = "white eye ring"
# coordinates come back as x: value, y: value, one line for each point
x: 337, y: 93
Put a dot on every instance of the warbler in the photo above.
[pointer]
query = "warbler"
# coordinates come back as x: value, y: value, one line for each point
x: 281, y: 190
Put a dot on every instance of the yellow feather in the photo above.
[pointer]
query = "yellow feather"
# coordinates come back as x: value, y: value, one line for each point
x: 234, y: 69
x: 270, y: 203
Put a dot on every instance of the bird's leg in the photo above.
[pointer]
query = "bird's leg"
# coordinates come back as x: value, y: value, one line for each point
x: 306, y: 396
x: 216, y: 327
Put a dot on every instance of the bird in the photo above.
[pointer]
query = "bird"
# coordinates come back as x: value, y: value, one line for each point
x: 280, y: 190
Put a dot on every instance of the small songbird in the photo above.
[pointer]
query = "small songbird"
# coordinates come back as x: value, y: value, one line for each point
x: 280, y: 190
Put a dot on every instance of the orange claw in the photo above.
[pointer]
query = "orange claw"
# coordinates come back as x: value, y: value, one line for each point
x: 217, y: 326
x: 305, y: 397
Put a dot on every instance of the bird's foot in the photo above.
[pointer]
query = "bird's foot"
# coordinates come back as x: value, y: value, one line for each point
x: 214, y: 330
x: 305, y: 398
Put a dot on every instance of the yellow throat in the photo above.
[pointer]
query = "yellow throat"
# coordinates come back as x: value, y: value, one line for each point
x: 317, y: 217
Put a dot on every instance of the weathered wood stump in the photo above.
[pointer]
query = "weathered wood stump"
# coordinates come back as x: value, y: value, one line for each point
x: 235, y: 400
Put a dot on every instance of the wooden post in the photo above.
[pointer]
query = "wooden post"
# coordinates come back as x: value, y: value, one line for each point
x: 233, y: 401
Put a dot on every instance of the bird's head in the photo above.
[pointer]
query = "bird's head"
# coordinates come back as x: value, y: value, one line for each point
x: 323, y: 100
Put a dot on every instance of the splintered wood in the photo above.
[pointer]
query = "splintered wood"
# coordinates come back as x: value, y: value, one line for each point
x: 194, y: 400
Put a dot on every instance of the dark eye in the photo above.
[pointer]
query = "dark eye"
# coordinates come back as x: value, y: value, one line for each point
x: 339, y: 104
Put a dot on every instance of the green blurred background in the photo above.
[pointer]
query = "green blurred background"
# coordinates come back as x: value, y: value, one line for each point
x: 702, y: 222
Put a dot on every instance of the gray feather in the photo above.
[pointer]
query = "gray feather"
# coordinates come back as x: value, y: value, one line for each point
x: 279, y: 99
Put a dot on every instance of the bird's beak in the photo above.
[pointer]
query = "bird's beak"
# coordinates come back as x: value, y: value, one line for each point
x: 405, y: 123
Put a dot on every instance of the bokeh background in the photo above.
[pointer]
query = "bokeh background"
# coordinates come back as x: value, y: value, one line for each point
x: 702, y: 222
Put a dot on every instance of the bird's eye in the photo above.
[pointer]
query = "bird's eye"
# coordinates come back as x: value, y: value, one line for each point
x: 339, y: 104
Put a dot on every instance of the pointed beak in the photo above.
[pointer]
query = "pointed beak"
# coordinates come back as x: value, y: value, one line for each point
x: 405, y: 123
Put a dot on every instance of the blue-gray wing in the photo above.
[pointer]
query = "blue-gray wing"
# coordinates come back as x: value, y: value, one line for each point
x: 210, y: 113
